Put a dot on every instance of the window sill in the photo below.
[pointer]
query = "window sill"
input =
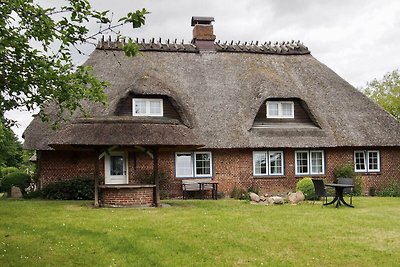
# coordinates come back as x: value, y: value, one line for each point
x: 269, y: 177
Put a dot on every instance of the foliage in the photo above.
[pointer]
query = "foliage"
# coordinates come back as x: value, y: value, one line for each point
x: 306, y: 186
x: 10, y: 147
x: 34, y: 194
x: 77, y: 188
x: 386, y: 92
x: 35, y: 54
x: 8, y: 170
x: 357, y: 190
x: 200, y: 232
x: 390, y: 190
x: 239, y: 193
x: 344, y: 171
x: 18, y: 179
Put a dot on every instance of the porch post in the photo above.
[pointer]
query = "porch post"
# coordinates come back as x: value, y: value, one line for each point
x: 156, y: 178
x: 96, y: 179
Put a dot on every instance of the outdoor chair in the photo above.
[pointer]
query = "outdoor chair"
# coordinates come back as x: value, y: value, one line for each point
x: 347, y: 191
x: 320, y: 190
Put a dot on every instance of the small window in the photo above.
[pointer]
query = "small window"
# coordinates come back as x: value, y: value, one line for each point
x: 267, y: 163
x: 147, y: 107
x: 309, y: 162
x: 367, y: 161
x: 280, y: 109
x: 193, y: 164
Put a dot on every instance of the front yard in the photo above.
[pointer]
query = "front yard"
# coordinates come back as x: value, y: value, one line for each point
x: 200, y: 233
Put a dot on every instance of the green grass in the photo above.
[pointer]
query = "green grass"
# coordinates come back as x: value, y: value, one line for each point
x: 200, y: 233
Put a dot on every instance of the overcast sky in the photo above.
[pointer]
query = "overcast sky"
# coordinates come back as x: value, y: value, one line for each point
x: 358, y: 39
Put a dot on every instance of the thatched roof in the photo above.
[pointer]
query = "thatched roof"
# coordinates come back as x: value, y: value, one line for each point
x: 218, y: 95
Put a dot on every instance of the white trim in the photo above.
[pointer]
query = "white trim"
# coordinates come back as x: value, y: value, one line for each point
x: 147, y: 102
x: 309, y: 162
x: 280, y: 110
x: 108, y: 177
x: 193, y: 164
x: 268, y: 163
x: 366, y: 161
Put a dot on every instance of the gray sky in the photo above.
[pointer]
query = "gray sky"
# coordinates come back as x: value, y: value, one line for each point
x: 358, y: 39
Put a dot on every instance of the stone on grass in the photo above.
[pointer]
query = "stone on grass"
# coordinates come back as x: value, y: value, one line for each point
x: 15, y: 192
x: 275, y: 200
x: 295, y: 198
x: 262, y: 198
x: 254, y: 197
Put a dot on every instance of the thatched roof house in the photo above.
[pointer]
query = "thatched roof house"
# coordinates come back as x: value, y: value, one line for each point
x: 217, y: 95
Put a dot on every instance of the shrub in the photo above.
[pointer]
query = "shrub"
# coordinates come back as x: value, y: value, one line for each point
x: 18, y: 179
x: 7, y: 170
x: 77, y: 188
x: 239, y: 194
x: 34, y: 194
x: 306, y: 186
x: 390, y: 190
x: 344, y: 171
x: 357, y: 190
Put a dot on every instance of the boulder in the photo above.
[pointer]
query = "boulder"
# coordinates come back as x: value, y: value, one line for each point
x: 262, y: 198
x: 276, y: 200
x: 15, y: 192
x: 254, y: 197
x: 295, y: 198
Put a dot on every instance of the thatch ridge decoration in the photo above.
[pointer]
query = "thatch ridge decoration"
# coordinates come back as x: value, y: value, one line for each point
x: 280, y: 48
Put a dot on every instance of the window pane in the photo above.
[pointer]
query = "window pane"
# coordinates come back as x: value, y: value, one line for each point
x: 117, y: 165
x: 203, y: 164
x: 373, y: 161
x: 260, y: 163
x: 275, y: 163
x: 184, y: 165
x: 316, y: 162
x: 302, y: 162
x: 287, y: 109
x: 140, y: 106
x: 155, y: 107
x: 273, y: 109
x: 359, y: 158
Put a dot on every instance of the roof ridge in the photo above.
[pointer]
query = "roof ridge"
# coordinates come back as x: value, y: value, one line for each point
x: 284, y: 47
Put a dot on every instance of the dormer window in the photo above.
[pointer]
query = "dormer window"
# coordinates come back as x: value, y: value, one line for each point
x: 280, y: 109
x: 147, y: 107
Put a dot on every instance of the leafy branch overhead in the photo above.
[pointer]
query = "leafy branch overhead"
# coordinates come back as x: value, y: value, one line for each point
x: 386, y: 92
x: 35, y: 50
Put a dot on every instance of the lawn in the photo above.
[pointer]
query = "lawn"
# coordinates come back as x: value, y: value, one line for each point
x: 200, y: 233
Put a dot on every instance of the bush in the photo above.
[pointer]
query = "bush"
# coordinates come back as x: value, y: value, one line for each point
x: 306, y: 186
x: 7, y: 170
x: 18, y: 179
x: 390, y: 190
x: 77, y: 188
x: 34, y: 194
x: 239, y: 194
x: 344, y: 171
x: 357, y: 190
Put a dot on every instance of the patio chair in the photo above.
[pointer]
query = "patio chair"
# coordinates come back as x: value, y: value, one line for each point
x: 320, y: 190
x: 347, y: 191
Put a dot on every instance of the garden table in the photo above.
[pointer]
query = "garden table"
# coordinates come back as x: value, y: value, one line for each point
x: 213, y: 184
x: 339, y: 195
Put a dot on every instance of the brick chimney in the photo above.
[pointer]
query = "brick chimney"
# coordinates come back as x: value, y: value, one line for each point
x: 203, y: 33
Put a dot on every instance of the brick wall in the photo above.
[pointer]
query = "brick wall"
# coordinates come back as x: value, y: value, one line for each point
x: 123, y: 197
x: 231, y: 168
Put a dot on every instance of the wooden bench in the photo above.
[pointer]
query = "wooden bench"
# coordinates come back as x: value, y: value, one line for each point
x: 196, y: 185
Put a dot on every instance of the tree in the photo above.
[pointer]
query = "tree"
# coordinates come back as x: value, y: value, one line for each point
x: 10, y: 148
x: 386, y: 92
x: 35, y: 54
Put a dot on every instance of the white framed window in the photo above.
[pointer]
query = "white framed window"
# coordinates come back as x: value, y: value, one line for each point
x: 267, y: 163
x: 193, y: 164
x: 280, y: 109
x: 309, y: 162
x: 367, y: 161
x: 147, y: 107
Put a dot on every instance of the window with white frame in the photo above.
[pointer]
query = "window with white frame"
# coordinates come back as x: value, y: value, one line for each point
x: 193, y: 164
x: 367, y: 161
x: 267, y: 163
x: 309, y: 162
x: 147, y: 107
x: 280, y: 109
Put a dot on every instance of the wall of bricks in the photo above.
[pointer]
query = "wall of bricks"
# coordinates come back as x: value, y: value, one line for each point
x: 231, y: 168
x: 124, y: 197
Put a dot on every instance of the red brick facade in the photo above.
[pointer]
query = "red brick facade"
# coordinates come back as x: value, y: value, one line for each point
x: 231, y: 168
x: 125, y: 197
